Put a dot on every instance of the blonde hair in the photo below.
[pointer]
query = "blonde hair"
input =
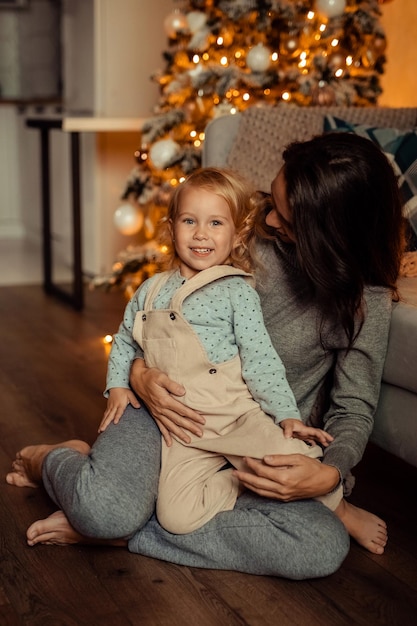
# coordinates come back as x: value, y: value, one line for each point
x: 244, y: 204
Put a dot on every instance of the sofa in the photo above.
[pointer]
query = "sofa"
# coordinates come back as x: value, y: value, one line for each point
x: 252, y: 143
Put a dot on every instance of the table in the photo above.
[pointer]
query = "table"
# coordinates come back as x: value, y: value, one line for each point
x: 74, y: 126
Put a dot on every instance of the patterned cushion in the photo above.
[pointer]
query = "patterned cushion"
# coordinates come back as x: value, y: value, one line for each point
x: 400, y: 146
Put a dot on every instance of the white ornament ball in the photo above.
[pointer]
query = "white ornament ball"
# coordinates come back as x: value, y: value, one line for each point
x: 128, y: 219
x: 196, y: 20
x: 174, y: 23
x: 258, y: 58
x: 162, y: 152
x: 331, y: 8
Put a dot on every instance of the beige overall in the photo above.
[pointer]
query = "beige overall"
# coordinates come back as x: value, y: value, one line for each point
x: 192, y: 486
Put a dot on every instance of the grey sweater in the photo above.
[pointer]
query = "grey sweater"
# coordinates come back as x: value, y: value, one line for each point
x: 347, y: 410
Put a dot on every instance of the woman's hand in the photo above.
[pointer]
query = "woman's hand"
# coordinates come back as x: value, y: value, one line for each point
x: 157, y: 390
x: 288, y: 477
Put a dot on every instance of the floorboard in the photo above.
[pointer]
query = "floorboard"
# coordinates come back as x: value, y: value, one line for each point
x: 53, y: 365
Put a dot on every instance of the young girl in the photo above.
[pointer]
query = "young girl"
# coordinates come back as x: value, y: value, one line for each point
x: 202, y: 324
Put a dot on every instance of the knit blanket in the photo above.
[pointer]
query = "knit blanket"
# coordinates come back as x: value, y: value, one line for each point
x: 265, y: 131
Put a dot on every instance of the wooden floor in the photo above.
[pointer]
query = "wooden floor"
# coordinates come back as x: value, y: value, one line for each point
x: 52, y: 373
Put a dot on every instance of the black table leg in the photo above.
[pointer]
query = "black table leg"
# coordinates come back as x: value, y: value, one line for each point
x: 76, y: 297
x: 46, y: 212
x: 78, y: 291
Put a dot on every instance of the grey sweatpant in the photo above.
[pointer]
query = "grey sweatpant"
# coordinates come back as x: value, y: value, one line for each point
x: 111, y: 493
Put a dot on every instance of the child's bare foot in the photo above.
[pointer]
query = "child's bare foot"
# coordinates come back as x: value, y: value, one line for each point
x: 369, y: 530
x: 56, y: 530
x: 27, y: 466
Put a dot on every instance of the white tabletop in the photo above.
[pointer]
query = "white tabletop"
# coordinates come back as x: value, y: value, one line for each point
x: 102, y: 124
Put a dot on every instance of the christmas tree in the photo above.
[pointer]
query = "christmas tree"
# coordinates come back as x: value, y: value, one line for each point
x: 224, y: 56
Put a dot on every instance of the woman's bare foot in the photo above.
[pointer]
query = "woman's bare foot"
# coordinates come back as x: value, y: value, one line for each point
x: 56, y: 530
x: 27, y: 466
x: 369, y: 530
x: 53, y: 530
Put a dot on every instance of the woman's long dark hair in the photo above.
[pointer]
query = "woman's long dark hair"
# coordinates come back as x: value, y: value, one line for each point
x: 347, y: 221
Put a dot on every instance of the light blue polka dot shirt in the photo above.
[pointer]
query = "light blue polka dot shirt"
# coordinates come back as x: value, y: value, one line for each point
x: 226, y: 315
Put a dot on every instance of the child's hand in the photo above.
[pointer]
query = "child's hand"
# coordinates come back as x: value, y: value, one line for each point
x: 297, y: 429
x: 118, y: 399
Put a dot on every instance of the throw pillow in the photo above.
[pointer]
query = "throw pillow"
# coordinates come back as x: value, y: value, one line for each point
x: 400, y: 146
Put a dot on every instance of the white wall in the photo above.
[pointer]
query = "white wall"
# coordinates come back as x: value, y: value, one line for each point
x: 10, y: 198
x: 128, y: 50
x: 399, y: 81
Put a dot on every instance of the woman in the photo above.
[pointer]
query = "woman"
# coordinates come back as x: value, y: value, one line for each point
x: 332, y: 250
